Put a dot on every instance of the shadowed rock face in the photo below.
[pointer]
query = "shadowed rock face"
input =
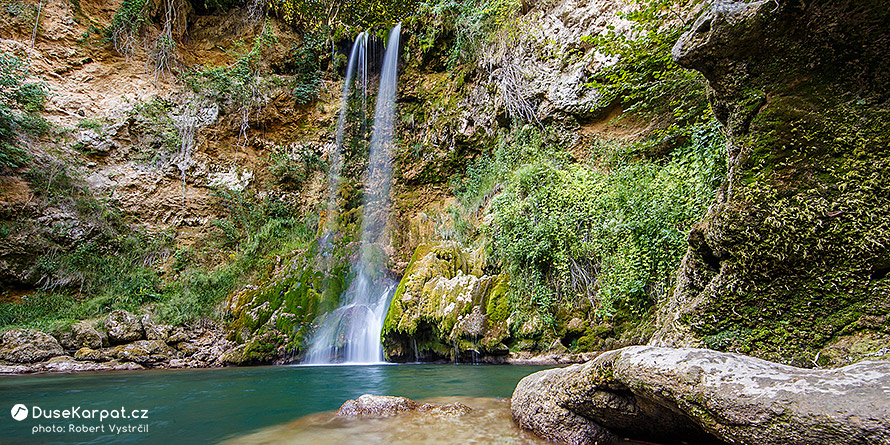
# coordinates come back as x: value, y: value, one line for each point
x: 791, y: 259
x: 703, y: 396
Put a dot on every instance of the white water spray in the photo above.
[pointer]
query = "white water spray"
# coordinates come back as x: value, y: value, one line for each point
x: 351, y: 333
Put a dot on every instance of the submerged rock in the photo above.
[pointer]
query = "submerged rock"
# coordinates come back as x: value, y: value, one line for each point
x: 376, y: 406
x: 123, y: 327
x: 28, y: 346
x: 386, y: 406
x: 481, y: 420
x: 704, y: 396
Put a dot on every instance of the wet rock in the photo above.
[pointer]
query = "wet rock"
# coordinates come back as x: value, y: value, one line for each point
x: 234, y: 356
x: 704, y: 396
x: 123, y: 327
x: 387, y: 406
x: 86, y: 336
x: 376, y: 406
x: 28, y: 346
x: 443, y: 301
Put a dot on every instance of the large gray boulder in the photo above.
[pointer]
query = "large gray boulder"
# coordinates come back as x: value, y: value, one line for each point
x: 704, y: 396
x: 123, y: 327
x: 28, y: 346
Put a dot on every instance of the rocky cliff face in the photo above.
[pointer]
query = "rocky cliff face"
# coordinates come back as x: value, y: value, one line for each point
x: 790, y: 263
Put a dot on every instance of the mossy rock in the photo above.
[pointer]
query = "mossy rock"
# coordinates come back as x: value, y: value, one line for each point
x: 794, y: 252
x: 440, y: 304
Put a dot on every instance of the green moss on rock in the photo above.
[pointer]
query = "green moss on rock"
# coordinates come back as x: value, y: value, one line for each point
x: 794, y: 252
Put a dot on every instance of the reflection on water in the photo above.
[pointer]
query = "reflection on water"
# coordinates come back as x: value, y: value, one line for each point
x: 488, y: 422
x: 201, y: 406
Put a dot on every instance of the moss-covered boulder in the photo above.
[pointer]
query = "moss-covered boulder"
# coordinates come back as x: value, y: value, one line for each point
x: 28, y: 346
x: 301, y: 286
x: 441, y: 308
x: 793, y: 256
x: 86, y: 336
x: 91, y: 355
x: 144, y: 352
x: 262, y: 349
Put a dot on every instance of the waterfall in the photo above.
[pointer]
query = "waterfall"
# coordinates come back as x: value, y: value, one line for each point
x: 357, y: 61
x: 351, y: 333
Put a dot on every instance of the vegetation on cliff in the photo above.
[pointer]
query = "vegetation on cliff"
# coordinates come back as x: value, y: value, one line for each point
x: 546, y: 188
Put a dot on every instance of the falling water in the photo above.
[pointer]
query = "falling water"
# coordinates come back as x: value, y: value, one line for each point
x: 357, y: 62
x: 351, y: 333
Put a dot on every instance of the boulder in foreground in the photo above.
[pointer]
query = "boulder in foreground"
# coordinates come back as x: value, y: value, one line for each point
x: 704, y: 396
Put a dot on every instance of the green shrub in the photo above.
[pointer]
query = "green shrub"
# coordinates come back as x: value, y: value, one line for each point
x: 645, y: 78
x: 471, y: 23
x: 307, y: 67
x: 614, y: 237
x: 349, y: 16
x: 19, y: 102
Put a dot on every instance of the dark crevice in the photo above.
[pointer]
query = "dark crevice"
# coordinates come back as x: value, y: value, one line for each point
x: 880, y: 273
x: 705, y: 252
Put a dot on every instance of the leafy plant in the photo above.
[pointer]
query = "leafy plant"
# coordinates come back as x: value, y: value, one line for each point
x: 471, y: 23
x: 645, y: 78
x: 240, y: 84
x: 615, y: 238
x: 291, y: 167
x: 332, y: 14
x: 20, y: 100
x: 307, y: 67
x: 127, y: 23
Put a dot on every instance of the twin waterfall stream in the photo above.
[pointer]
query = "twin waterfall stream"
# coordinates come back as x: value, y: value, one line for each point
x: 351, y: 333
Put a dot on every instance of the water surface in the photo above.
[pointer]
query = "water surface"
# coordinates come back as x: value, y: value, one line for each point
x: 210, y: 405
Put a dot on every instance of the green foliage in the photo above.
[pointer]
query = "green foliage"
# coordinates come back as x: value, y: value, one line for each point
x: 264, y: 235
x: 127, y: 23
x: 566, y: 231
x: 120, y: 270
x: 645, y: 78
x: 20, y: 100
x: 307, y: 67
x: 239, y: 85
x: 471, y: 23
x: 291, y: 167
x: 616, y: 237
x: 333, y: 14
